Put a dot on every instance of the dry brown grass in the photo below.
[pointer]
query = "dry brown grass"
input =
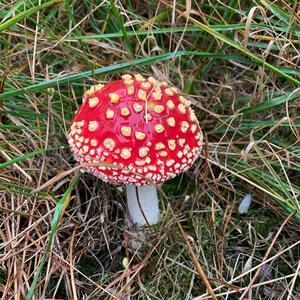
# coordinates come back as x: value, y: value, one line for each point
x: 95, y: 254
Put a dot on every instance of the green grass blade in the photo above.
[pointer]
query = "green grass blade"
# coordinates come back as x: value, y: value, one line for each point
x: 120, y: 23
x: 247, y: 125
x: 61, y: 205
x: 15, y: 9
x: 274, y: 186
x: 138, y: 62
x: 156, y: 19
x: 125, y: 65
x: 277, y: 11
x: 237, y: 46
x: 267, y: 105
x: 28, y: 155
x: 86, y: 74
x: 168, y: 30
x: 25, y: 14
x: 273, y: 173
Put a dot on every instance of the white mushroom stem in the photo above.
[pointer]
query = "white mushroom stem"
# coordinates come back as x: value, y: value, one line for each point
x: 142, y: 203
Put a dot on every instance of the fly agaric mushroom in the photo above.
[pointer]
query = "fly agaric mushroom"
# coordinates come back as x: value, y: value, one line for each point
x: 138, y: 132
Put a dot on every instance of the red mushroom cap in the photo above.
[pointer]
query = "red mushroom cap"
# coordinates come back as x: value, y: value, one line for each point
x: 142, y: 130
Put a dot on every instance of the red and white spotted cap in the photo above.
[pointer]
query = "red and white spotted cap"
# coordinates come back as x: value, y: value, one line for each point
x: 141, y: 129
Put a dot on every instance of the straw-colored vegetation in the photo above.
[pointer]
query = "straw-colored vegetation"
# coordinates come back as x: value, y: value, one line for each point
x: 64, y: 235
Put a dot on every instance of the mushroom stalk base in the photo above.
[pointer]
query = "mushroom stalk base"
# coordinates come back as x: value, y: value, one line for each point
x: 142, y: 203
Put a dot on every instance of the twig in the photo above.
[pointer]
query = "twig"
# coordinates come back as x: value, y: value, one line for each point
x: 196, y: 262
